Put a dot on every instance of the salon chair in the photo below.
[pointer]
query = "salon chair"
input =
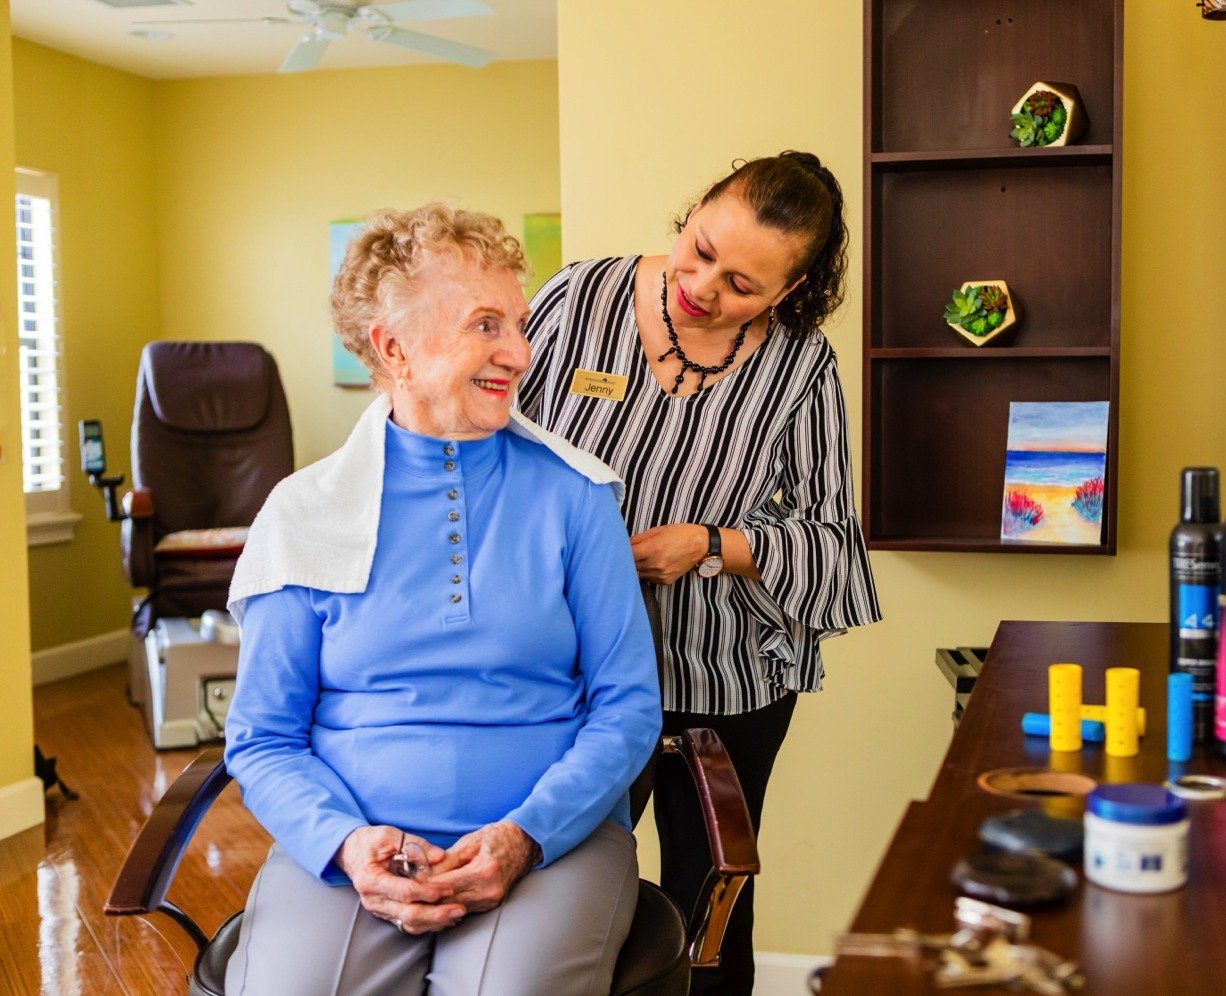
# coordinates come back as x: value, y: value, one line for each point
x: 210, y: 439
x: 659, y: 951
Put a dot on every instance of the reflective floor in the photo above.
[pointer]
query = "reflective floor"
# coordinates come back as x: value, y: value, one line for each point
x: 54, y: 938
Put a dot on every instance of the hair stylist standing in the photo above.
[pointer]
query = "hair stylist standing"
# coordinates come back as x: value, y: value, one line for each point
x: 703, y: 379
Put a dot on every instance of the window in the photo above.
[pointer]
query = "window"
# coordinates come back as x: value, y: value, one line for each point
x: 49, y: 519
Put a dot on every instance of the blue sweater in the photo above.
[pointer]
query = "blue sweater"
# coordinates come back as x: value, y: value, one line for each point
x: 499, y: 664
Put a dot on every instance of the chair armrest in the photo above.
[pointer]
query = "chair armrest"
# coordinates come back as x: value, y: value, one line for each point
x: 734, y: 846
x: 143, y: 881
x: 138, y: 504
x: 730, y: 834
x: 136, y: 537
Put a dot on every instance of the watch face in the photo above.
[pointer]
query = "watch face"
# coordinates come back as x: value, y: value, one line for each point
x: 710, y: 567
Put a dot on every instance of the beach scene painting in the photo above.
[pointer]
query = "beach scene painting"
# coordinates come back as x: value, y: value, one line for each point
x: 1055, y: 472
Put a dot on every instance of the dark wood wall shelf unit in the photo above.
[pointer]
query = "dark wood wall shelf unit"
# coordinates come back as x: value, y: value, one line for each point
x: 950, y: 197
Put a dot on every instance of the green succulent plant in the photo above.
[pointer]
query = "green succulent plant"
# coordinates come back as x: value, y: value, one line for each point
x: 978, y: 310
x: 1041, y: 120
x: 964, y: 307
x: 1026, y: 129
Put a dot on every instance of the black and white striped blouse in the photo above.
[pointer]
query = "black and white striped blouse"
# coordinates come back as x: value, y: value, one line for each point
x: 776, y: 426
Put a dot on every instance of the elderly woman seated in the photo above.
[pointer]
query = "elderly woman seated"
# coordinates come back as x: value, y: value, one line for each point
x: 447, y: 680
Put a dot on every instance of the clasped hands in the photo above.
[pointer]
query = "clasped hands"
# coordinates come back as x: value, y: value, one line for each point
x: 472, y: 876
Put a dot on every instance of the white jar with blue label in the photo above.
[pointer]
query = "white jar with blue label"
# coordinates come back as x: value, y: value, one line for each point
x: 1136, y: 838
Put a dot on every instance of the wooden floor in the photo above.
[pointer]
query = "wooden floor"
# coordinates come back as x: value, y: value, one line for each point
x: 54, y: 938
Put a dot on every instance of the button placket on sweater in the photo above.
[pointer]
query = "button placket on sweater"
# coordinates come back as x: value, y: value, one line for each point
x: 457, y: 587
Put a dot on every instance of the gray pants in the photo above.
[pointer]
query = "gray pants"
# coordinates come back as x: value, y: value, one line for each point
x: 557, y: 933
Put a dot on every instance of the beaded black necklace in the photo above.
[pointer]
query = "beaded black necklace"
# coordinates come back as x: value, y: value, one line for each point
x: 686, y: 363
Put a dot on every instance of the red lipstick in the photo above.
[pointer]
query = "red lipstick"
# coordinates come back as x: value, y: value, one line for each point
x: 492, y: 385
x: 688, y: 306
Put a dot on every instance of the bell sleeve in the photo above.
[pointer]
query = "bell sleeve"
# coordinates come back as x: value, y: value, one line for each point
x: 806, y: 540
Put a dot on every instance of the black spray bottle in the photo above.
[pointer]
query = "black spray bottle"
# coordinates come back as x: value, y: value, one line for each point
x: 1195, y: 584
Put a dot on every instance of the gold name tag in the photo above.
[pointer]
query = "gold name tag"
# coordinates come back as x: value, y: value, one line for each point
x: 594, y: 384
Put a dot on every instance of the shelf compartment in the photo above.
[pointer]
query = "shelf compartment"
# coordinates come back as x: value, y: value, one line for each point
x: 939, y: 432
x: 1046, y: 230
x: 945, y: 74
x: 950, y: 197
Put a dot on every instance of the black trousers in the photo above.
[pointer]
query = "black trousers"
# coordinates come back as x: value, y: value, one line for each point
x: 753, y: 740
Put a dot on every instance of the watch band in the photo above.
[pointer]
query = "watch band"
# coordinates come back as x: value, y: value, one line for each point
x: 713, y: 563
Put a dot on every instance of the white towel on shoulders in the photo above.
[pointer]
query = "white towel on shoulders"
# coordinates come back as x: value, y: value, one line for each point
x: 319, y: 526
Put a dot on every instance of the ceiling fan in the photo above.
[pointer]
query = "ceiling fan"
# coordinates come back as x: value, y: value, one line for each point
x: 330, y: 20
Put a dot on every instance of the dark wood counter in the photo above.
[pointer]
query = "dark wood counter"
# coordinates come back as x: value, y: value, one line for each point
x: 1127, y: 944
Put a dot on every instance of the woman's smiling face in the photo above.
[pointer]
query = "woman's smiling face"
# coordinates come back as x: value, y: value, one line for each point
x: 726, y: 268
x: 461, y: 333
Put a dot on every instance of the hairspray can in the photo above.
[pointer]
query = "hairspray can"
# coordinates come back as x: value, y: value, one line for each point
x: 1195, y: 585
x: 1219, y: 711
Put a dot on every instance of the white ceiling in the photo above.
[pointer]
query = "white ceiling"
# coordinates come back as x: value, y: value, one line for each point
x: 519, y: 29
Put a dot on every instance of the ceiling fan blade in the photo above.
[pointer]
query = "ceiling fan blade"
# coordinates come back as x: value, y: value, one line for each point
x: 219, y: 20
x: 306, y: 54
x: 465, y: 55
x: 430, y: 10
x: 310, y: 9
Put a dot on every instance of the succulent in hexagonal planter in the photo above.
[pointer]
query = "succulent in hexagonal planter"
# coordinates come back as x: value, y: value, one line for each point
x: 980, y: 310
x: 1049, y: 114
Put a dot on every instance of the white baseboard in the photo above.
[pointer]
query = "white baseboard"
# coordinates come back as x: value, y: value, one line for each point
x: 777, y: 974
x: 68, y: 659
x: 21, y: 806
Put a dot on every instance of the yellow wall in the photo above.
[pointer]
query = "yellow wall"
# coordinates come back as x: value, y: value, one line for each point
x: 252, y: 169
x: 21, y: 798
x: 93, y: 127
x: 718, y: 79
